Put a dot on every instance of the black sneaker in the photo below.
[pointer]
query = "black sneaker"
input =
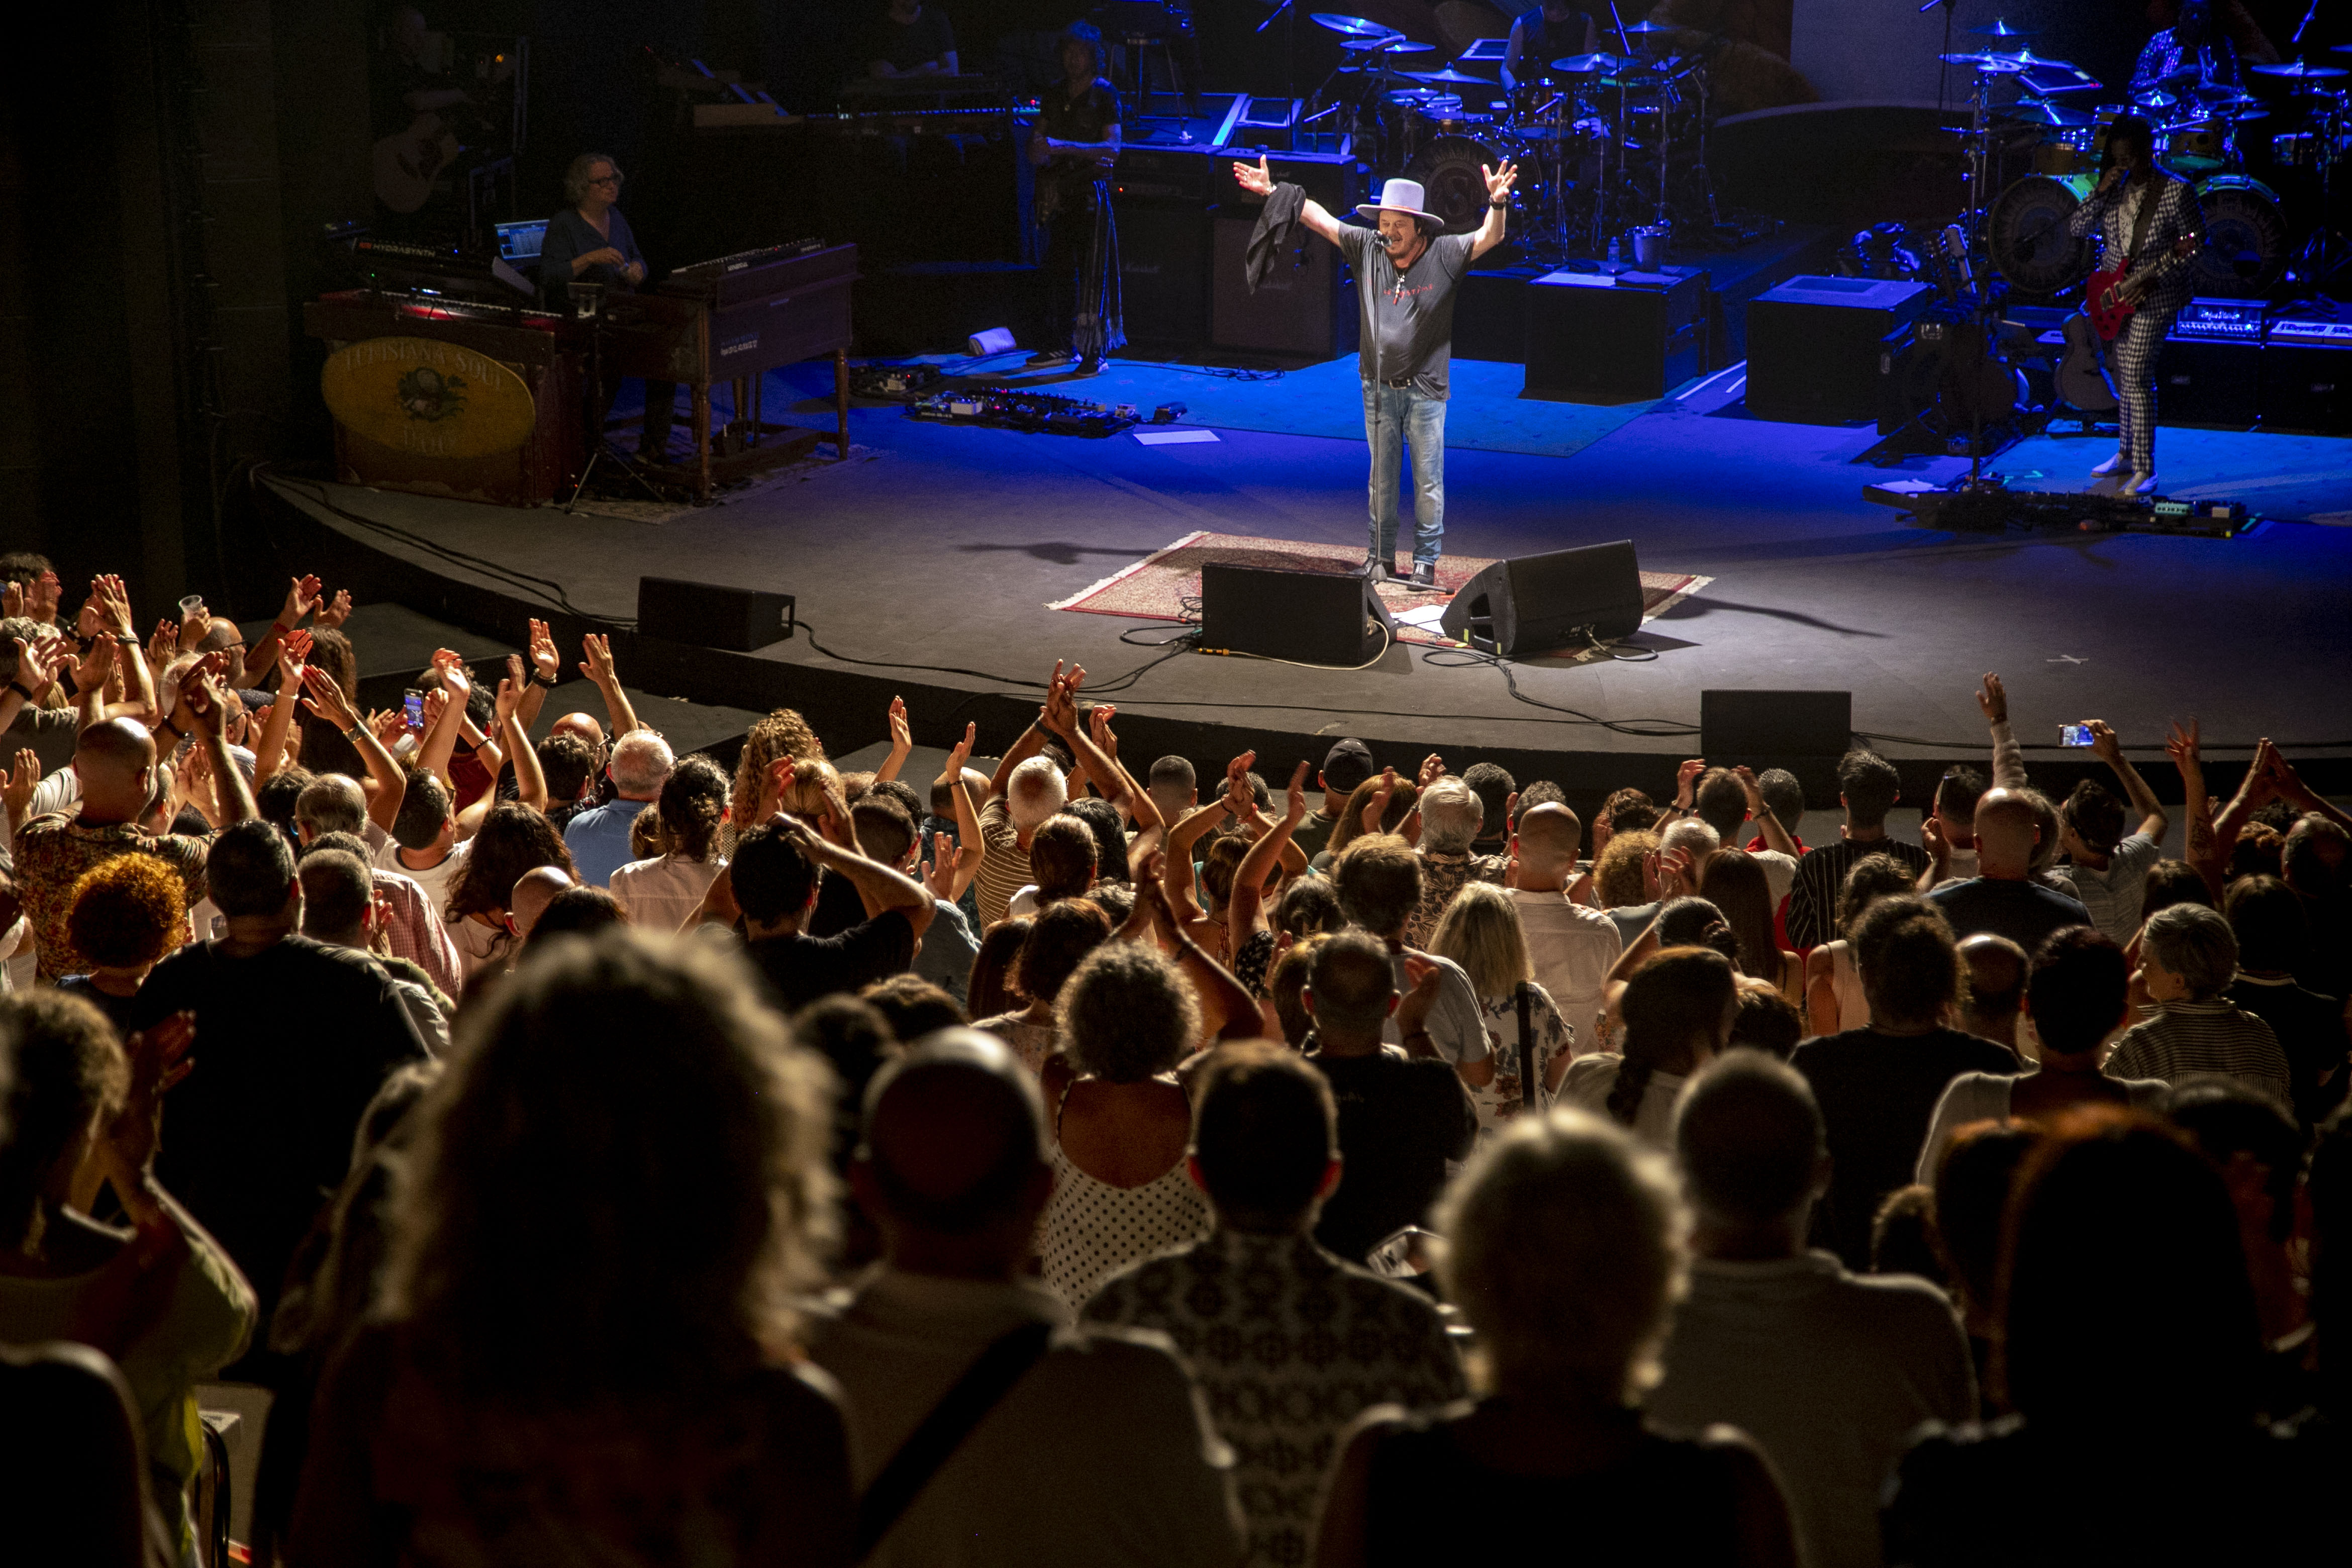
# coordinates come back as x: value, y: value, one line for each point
x: 1050, y: 359
x: 1424, y: 577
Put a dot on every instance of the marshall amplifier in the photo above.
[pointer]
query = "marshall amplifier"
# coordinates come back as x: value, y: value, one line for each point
x: 1305, y: 306
x: 2307, y: 376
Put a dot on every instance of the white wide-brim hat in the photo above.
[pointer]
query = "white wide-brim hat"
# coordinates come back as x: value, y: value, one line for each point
x: 1400, y: 196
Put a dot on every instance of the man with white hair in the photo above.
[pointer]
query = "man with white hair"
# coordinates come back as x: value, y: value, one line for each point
x: 413, y: 927
x: 1450, y: 815
x: 1022, y: 796
x: 1683, y: 848
x: 599, y: 836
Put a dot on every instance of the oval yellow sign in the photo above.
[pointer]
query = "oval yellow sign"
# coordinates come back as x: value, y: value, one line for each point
x: 427, y: 397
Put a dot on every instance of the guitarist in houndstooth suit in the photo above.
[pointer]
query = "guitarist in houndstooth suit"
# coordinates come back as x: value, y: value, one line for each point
x: 2148, y: 220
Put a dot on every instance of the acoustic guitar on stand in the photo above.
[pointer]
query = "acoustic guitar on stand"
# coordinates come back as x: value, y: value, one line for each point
x: 407, y: 162
x: 2112, y: 298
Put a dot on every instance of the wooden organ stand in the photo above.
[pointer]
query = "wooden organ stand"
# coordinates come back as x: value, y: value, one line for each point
x: 734, y: 319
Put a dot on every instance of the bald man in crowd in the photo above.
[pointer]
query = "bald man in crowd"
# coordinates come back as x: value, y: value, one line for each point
x: 533, y: 891
x: 1099, y: 1451
x: 2002, y: 898
x: 1572, y: 945
x: 115, y: 762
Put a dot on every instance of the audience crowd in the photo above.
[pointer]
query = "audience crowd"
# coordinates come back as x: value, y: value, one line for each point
x: 599, y: 1155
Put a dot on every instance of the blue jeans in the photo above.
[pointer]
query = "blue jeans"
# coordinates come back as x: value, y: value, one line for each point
x: 1394, y: 415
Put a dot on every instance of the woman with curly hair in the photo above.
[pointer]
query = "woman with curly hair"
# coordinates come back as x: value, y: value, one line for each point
x: 662, y: 891
x: 783, y: 733
x: 1121, y: 1122
x: 513, y: 839
x: 587, y: 1301
x: 126, y: 914
x: 1617, y: 875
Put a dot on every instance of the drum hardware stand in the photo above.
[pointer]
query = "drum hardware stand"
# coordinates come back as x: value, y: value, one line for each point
x: 2327, y: 252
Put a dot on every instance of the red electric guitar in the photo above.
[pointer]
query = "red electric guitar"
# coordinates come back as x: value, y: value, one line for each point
x: 2111, y: 299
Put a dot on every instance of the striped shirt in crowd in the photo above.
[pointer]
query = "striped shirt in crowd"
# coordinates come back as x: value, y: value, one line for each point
x: 2186, y: 1038
x: 1005, y: 870
x: 1820, y: 878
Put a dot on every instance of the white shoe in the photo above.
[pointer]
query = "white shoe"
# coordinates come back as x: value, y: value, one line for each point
x: 2140, y: 484
x: 2118, y: 464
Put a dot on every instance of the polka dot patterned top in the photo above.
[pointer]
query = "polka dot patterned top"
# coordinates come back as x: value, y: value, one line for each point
x: 1092, y: 1231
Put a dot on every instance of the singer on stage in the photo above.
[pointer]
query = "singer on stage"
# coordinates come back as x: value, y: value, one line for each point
x: 1406, y: 272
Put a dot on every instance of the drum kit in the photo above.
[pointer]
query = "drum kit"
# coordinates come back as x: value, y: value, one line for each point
x: 1604, y: 142
x: 2208, y: 132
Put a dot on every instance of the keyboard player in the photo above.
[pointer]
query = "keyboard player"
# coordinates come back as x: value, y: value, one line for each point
x: 590, y: 242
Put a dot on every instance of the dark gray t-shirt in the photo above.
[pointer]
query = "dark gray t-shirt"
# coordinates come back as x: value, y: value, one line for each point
x: 1407, y: 320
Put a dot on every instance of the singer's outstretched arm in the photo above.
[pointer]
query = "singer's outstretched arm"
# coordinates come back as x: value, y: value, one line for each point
x: 1260, y: 182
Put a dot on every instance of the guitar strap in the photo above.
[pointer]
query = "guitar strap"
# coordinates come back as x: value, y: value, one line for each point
x: 2146, y: 217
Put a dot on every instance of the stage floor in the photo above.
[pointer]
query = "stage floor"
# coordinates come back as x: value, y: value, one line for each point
x: 940, y: 546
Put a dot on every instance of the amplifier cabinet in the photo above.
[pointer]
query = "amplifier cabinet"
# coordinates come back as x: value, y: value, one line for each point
x: 2209, y: 381
x: 1599, y: 337
x: 2307, y: 386
x: 1163, y: 272
x: 1305, y: 306
x: 1815, y: 342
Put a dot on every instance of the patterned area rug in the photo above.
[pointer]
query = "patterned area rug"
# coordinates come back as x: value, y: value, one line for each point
x: 1157, y: 587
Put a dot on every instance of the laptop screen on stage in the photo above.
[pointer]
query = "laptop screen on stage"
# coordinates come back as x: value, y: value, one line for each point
x: 520, y: 242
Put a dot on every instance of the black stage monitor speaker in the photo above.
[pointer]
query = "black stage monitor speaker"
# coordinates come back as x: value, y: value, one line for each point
x: 1737, y: 726
x: 1534, y: 603
x: 1308, y: 617
x: 711, y: 614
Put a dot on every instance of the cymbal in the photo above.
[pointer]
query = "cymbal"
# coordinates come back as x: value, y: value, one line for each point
x: 2159, y: 101
x: 2039, y: 112
x: 1999, y: 30
x: 1395, y: 43
x: 1646, y: 26
x: 1352, y: 26
x: 1448, y: 75
x: 1990, y: 64
x: 2219, y: 94
x: 2299, y: 69
x: 1584, y: 64
x: 2026, y: 59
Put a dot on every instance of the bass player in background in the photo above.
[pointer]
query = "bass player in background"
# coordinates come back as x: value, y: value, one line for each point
x: 1074, y: 147
x: 2147, y: 221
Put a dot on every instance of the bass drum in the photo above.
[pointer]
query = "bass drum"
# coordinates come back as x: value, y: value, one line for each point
x: 2244, y: 252
x: 1447, y: 168
x: 2026, y: 234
